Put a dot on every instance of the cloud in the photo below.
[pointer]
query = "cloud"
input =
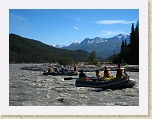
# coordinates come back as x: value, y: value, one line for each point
x: 76, y: 28
x: 76, y: 41
x: 19, y: 23
x: 114, y: 22
x: 108, y: 34
x: 17, y: 17
x: 22, y: 29
x: 76, y: 19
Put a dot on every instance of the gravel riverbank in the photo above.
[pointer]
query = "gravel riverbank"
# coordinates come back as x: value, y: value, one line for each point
x: 86, y: 68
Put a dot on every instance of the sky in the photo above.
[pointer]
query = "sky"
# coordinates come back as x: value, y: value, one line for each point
x: 65, y: 26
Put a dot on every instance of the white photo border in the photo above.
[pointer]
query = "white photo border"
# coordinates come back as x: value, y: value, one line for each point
x: 142, y: 109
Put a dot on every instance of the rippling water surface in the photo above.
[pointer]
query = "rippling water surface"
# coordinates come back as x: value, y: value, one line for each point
x: 30, y: 88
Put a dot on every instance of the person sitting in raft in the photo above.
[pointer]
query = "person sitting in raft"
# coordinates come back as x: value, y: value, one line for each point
x: 50, y: 70
x: 64, y: 70
x: 75, y: 68
x: 107, y: 72
x: 82, y: 74
x: 120, y: 72
x: 56, y: 70
x: 98, y: 73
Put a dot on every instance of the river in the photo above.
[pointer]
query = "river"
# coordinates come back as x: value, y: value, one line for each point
x: 30, y: 88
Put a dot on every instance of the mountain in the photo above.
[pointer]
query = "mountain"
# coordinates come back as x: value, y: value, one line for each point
x: 57, y: 46
x: 75, y: 44
x: 88, y: 41
x: 104, y: 47
x: 32, y: 51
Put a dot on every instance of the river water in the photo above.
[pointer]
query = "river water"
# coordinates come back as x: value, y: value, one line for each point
x: 30, y: 88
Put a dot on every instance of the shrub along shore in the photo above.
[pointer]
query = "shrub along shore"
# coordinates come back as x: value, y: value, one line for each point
x: 85, y: 68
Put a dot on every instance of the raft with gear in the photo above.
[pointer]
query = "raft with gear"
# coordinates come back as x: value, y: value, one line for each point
x: 71, y: 73
x: 105, y: 83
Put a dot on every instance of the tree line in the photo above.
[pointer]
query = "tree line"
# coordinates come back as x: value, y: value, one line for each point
x: 129, y: 53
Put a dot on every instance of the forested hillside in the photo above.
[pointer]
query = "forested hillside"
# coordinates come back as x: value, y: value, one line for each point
x: 24, y: 50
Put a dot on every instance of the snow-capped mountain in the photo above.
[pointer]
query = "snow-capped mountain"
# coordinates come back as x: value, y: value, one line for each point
x: 75, y: 44
x: 97, y: 40
x: 103, y: 46
x: 121, y: 37
x: 94, y: 40
x: 57, y: 46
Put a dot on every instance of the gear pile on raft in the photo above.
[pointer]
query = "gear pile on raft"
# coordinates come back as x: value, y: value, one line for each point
x: 55, y: 71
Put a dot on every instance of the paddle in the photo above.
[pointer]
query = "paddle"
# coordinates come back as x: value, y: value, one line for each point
x: 69, y: 78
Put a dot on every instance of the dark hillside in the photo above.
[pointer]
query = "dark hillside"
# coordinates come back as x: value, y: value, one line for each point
x: 32, y: 51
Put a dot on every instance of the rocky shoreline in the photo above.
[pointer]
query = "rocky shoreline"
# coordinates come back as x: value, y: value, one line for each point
x: 85, y: 68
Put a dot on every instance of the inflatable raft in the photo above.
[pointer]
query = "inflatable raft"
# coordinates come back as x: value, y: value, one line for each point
x: 106, y: 84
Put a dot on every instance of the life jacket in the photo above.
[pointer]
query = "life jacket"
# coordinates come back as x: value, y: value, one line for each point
x: 50, y: 70
x: 98, y: 74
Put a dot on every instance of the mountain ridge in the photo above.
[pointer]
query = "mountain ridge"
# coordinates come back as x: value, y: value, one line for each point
x: 105, y: 47
x: 88, y: 41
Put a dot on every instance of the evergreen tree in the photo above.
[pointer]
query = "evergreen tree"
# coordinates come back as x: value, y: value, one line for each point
x: 114, y: 55
x: 93, y: 58
x: 125, y: 44
x: 132, y: 34
x: 136, y: 44
x: 122, y: 52
x: 122, y: 46
x: 130, y: 53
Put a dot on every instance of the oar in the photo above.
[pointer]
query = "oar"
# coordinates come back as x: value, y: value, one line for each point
x: 126, y: 74
x: 69, y: 78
